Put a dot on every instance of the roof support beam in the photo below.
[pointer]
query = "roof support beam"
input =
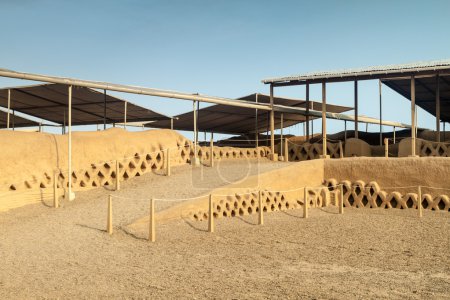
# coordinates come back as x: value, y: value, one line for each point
x: 324, y: 121
x: 272, y: 125
x: 356, y: 109
x: 307, y: 112
x: 413, y: 116
x: 438, y: 110
x: 9, y: 107
x: 132, y: 89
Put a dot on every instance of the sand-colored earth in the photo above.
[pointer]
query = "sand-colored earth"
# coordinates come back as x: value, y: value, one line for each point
x: 365, y: 253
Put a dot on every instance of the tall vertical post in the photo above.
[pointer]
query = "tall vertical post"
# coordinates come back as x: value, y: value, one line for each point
x: 125, y: 116
x: 171, y: 123
x: 9, y: 108
x: 356, y: 109
x: 151, y: 225
x: 197, y: 117
x: 438, y: 110
x: 272, y: 124
x: 195, y: 132
x: 211, y: 214
x: 381, y: 113
x: 70, y: 143
x: 256, y: 124
x: 413, y: 116
x: 104, y: 109
x: 281, y: 135
x: 307, y: 112
x: 324, y: 120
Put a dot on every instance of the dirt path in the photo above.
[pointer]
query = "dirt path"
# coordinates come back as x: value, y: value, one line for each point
x: 65, y: 253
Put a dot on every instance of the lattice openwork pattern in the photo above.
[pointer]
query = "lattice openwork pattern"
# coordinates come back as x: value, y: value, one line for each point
x: 307, y: 151
x: 104, y: 173
x: 243, y: 204
x: 428, y: 148
x: 369, y: 195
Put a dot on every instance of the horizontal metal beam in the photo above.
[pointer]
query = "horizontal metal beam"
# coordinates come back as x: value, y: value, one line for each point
x: 383, y: 76
x: 131, y: 89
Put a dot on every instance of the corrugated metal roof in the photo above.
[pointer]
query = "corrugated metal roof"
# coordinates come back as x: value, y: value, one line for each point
x: 372, y: 71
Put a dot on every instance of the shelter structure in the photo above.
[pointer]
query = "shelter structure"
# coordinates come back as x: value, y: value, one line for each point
x: 12, y: 121
x: 49, y: 102
x: 424, y: 83
x: 228, y: 120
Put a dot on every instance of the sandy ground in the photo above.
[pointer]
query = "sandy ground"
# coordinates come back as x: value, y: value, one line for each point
x: 65, y: 253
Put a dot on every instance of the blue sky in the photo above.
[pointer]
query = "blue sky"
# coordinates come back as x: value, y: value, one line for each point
x: 224, y: 48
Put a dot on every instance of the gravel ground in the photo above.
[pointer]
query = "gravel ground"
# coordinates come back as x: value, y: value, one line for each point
x: 65, y: 253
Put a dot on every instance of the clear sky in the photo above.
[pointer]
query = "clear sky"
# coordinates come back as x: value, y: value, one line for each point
x: 224, y: 48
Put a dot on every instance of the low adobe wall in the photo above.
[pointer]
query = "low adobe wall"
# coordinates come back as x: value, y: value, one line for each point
x: 368, y: 182
x: 29, y: 161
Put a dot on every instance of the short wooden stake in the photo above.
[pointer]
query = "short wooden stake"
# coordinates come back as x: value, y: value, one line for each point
x: 341, y: 200
x: 151, y: 228
x: 55, y: 190
x: 305, y: 203
x: 211, y: 153
x: 210, y: 214
x: 286, y: 150
x: 341, y: 150
x: 117, y: 176
x: 109, y: 227
x: 168, y: 162
x: 261, y: 209
x: 386, y: 147
x: 419, y: 202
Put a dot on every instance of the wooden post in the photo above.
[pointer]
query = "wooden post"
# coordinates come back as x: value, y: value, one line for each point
x: 386, y: 147
x: 341, y: 150
x: 341, y: 200
x: 55, y: 190
x: 305, y: 203
x: 211, y: 154
x: 261, y: 209
x: 117, y: 176
x: 210, y: 214
x: 109, y: 226
x: 151, y: 228
x: 419, y: 202
x: 69, y: 144
x: 286, y: 150
x: 168, y: 162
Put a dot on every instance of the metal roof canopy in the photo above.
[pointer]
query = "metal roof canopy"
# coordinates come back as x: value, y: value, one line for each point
x: 49, y: 102
x: 377, y: 72
x: 15, y: 121
x: 229, y: 120
x: 425, y: 93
